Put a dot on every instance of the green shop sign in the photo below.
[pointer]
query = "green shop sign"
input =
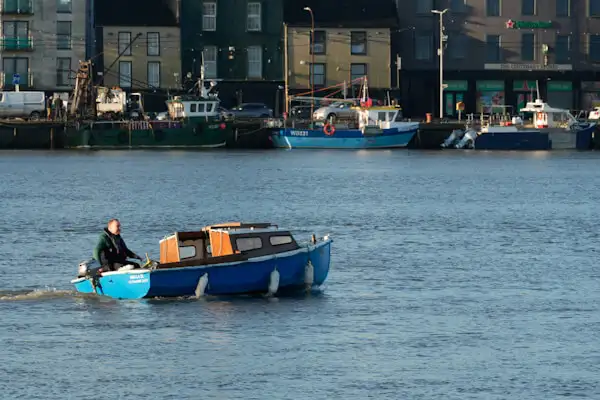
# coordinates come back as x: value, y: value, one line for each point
x: 524, y: 86
x: 512, y: 24
x: 558, y: 86
x: 456, y: 86
x: 483, y: 86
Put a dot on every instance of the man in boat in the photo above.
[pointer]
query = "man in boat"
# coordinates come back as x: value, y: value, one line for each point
x: 111, y: 251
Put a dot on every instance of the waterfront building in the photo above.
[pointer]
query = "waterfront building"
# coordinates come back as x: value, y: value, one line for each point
x: 240, y: 43
x: 138, y: 47
x: 499, y: 53
x: 352, y: 39
x: 41, y: 43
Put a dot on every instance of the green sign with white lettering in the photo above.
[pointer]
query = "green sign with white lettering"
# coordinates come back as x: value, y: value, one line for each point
x: 456, y: 86
x: 558, y: 86
x: 512, y: 24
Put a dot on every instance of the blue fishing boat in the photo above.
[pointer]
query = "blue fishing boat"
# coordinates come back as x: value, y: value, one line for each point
x: 225, y: 259
x: 378, y: 128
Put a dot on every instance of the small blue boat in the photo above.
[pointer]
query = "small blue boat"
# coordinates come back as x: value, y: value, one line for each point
x: 225, y: 259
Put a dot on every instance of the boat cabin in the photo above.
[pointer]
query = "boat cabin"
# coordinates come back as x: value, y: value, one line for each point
x: 545, y: 116
x: 225, y: 242
x: 193, y: 107
x: 383, y: 117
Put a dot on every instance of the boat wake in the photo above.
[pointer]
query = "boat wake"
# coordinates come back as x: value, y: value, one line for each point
x: 35, y: 294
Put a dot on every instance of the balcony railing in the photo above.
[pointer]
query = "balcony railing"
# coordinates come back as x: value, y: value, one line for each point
x: 17, y: 7
x: 7, y: 80
x: 10, y: 43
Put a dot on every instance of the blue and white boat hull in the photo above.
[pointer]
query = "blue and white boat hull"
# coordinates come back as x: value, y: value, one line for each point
x: 297, y: 269
x: 344, y: 139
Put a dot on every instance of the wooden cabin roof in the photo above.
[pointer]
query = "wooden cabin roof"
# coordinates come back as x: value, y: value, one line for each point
x: 239, y: 225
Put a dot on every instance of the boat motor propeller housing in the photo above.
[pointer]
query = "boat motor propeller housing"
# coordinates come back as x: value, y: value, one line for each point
x: 89, y: 267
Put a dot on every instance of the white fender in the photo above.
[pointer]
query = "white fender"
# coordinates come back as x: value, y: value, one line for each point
x: 273, y: 282
x: 202, y: 284
x: 309, y: 274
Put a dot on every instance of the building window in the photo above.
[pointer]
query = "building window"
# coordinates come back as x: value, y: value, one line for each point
x: 318, y: 47
x: 125, y: 74
x: 594, y: 50
x: 528, y: 47
x: 63, y: 71
x: 255, y: 62
x: 358, y: 43
x: 594, y: 8
x: 493, y: 51
x: 357, y: 71
x: 64, y: 6
x: 154, y: 74
x: 458, y: 46
x: 209, y: 16
x: 210, y: 61
x: 124, y: 43
x: 528, y: 7
x: 563, y: 8
x: 15, y: 35
x: 15, y: 65
x: 63, y: 35
x: 493, y: 8
x: 254, y: 21
x: 317, y: 74
x: 562, y: 48
x: 153, y: 43
x: 423, y: 44
x: 424, y: 6
x: 458, y: 6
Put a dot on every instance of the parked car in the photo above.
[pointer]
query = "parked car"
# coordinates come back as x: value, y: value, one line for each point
x: 335, y: 111
x: 252, y: 110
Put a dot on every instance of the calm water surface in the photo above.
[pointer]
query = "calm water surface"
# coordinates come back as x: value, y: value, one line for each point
x: 455, y: 275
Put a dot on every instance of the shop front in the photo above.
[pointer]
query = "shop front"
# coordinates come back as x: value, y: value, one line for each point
x: 560, y: 94
x: 491, y: 97
x: 590, y: 93
x: 454, y: 93
x: 523, y: 92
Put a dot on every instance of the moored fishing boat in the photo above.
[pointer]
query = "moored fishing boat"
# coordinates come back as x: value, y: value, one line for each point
x: 379, y: 127
x: 553, y: 128
x: 230, y: 258
x: 194, y: 121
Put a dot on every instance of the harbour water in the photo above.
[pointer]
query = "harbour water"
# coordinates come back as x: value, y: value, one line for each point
x: 455, y: 275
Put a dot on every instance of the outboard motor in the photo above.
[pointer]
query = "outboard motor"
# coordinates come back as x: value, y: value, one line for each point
x: 454, y: 136
x: 88, y: 268
x: 468, y: 140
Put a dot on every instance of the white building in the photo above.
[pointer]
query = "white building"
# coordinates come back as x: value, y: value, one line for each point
x: 42, y: 41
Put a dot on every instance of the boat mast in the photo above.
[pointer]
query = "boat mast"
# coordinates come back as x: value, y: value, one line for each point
x: 201, y: 89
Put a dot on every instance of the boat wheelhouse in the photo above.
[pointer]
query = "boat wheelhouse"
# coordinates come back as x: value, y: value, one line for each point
x: 230, y: 241
x: 545, y: 116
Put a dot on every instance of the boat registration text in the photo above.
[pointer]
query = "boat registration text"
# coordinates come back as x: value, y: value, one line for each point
x: 139, y: 278
x: 299, y: 133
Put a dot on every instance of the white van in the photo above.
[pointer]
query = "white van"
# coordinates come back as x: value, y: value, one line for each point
x: 22, y: 105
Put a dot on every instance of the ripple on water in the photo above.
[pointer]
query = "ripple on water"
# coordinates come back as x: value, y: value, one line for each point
x: 454, y: 275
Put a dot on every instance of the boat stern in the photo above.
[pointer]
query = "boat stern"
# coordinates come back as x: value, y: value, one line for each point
x: 130, y: 284
x: 319, y: 255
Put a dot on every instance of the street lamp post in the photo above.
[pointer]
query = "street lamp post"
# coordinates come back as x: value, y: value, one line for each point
x: 441, y: 55
x: 312, y: 60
